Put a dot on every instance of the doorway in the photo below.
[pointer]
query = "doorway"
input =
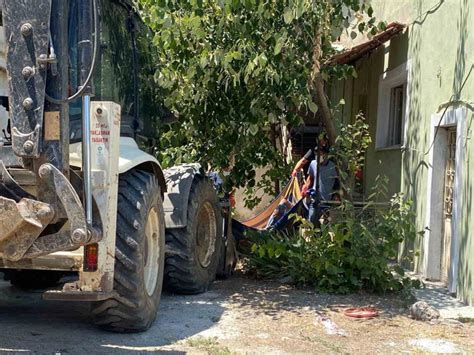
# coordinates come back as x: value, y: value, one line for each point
x: 440, y: 244
x: 449, y: 179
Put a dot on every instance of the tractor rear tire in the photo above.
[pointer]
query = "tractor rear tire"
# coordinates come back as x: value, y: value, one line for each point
x: 139, y: 256
x: 193, y: 252
x: 33, y: 279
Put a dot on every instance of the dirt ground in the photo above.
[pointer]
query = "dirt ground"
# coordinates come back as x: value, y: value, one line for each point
x: 238, y: 315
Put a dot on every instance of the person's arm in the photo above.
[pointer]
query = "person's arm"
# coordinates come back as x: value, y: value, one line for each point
x: 307, y: 185
x: 299, y: 165
x: 303, y: 161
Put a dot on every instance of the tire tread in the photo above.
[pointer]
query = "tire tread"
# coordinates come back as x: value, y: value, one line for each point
x: 181, y: 269
x: 130, y: 311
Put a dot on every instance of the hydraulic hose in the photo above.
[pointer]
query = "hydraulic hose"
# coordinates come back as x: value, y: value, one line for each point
x: 85, y: 85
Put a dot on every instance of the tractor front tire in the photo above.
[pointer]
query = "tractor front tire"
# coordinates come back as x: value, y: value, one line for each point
x: 193, y: 252
x: 139, y: 256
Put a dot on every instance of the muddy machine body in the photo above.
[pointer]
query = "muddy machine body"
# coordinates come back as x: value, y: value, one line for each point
x: 77, y: 194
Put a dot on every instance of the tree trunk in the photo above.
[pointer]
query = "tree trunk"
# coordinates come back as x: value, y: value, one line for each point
x: 273, y: 138
x: 317, y: 84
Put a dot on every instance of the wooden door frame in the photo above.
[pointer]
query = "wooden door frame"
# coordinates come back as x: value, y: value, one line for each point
x: 431, y: 253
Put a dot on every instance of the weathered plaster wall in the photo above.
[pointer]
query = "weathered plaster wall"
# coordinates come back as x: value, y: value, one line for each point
x: 439, y: 44
x: 361, y: 94
x: 441, y: 48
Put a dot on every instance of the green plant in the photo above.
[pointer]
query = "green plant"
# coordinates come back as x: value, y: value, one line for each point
x: 355, y: 251
x: 352, y: 143
x: 238, y: 70
x: 208, y: 345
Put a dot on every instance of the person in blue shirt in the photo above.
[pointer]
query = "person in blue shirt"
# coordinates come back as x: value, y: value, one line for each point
x: 325, y: 189
x: 310, y: 155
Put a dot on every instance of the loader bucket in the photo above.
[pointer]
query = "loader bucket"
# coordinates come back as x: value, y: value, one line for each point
x: 21, y: 223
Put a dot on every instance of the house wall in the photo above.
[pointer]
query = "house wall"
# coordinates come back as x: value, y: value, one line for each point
x: 438, y: 46
x: 361, y: 94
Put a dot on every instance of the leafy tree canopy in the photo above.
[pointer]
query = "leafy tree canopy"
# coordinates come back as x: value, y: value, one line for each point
x: 235, y: 69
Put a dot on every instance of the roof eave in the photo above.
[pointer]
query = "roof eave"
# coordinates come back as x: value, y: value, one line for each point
x: 355, y: 53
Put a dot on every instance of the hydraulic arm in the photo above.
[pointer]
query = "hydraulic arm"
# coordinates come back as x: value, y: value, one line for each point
x: 52, y: 217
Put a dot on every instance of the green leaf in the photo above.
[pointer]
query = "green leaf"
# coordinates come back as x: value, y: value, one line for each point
x: 253, y: 129
x: 370, y: 11
x: 312, y: 107
x: 280, y: 105
x: 300, y: 9
x: 254, y: 248
x: 288, y: 15
x: 203, y: 61
x: 225, y: 65
x: 278, y: 48
x: 272, y: 118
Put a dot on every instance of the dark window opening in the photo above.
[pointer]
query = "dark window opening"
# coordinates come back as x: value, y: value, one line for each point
x: 124, y: 51
x: 397, y: 104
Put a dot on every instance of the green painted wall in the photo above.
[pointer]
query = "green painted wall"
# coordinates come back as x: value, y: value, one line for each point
x: 361, y: 94
x: 439, y: 44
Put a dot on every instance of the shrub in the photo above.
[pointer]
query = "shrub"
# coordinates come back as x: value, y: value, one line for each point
x: 356, y: 251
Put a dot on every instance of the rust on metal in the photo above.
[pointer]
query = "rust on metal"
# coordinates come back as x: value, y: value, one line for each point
x: 52, y: 126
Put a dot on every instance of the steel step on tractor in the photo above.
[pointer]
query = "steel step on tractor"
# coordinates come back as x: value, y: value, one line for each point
x: 78, y: 196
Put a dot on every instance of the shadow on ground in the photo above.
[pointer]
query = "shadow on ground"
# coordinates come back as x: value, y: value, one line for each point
x: 236, y: 315
x: 273, y: 299
x: 30, y: 324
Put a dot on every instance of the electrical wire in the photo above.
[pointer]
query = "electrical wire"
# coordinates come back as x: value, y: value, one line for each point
x: 422, y: 17
x: 83, y: 88
x: 438, y: 126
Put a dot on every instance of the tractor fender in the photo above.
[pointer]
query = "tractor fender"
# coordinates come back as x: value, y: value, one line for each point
x: 179, y: 180
x: 130, y: 157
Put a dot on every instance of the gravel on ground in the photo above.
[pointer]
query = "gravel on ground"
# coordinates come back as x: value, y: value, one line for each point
x: 238, y: 315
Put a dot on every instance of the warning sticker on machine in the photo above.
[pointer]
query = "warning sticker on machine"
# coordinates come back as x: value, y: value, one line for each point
x: 100, y: 133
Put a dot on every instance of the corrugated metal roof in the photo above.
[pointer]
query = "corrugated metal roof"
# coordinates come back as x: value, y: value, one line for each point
x: 351, y: 55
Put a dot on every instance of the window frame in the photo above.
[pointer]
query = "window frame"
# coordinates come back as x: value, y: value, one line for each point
x: 396, y: 118
x: 388, y: 81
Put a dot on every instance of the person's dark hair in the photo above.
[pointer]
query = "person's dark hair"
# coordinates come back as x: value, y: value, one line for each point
x: 325, y: 149
x: 324, y: 146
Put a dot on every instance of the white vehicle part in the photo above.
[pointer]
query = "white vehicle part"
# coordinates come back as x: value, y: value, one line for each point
x: 130, y: 156
x: 105, y: 148
x: 105, y: 130
x: 178, y: 183
x: 176, y: 180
